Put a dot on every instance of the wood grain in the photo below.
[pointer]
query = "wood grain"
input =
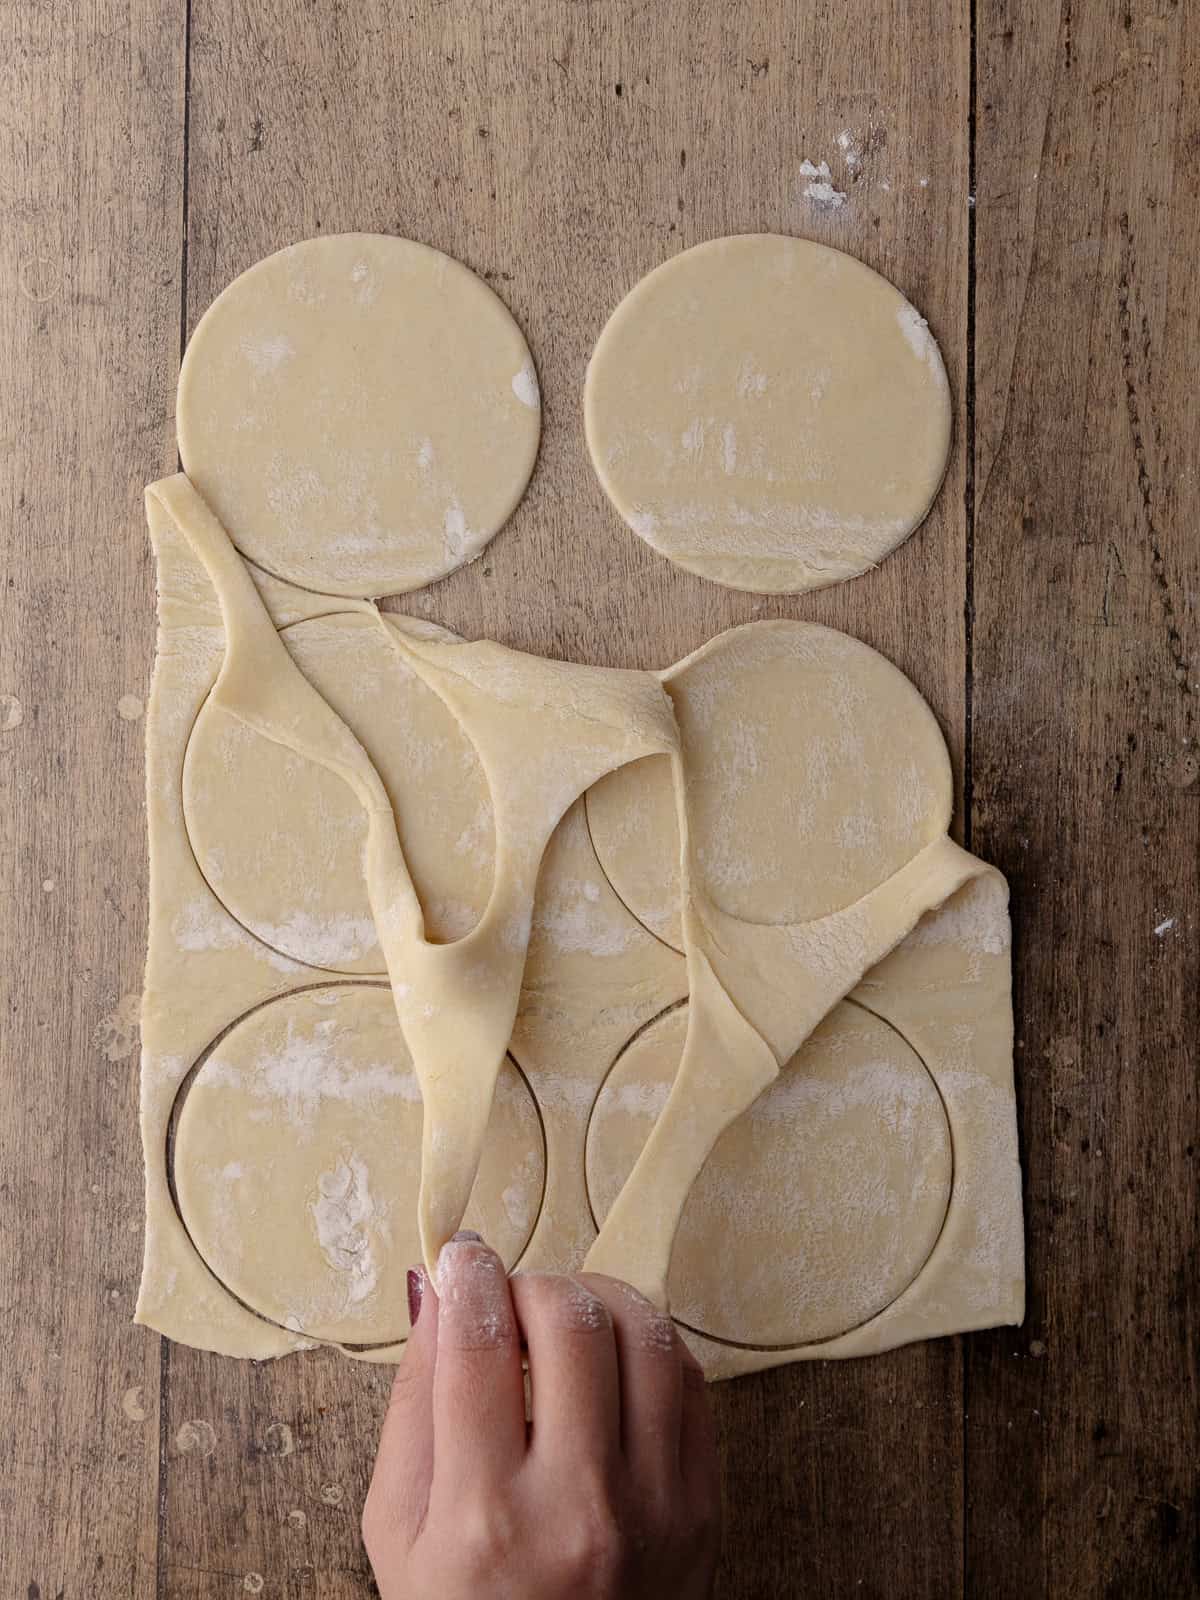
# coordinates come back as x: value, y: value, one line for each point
x: 91, y: 171
x: 563, y: 148
x: 1081, y: 1458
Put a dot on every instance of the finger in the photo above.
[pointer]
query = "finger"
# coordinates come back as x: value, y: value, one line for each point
x: 573, y: 1380
x: 699, y: 1463
x: 399, y: 1492
x: 478, y: 1388
x: 651, y: 1378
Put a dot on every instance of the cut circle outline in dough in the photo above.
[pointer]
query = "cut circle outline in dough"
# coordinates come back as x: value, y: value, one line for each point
x: 769, y: 413
x: 298, y: 937
x: 934, y: 1222
x: 178, y: 1160
x: 730, y: 771
x: 361, y: 411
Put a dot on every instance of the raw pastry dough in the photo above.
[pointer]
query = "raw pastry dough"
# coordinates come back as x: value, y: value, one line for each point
x: 361, y: 412
x: 768, y: 413
x: 851, y: 1161
x: 812, y: 796
x: 296, y: 1157
x: 300, y: 888
x: 544, y: 732
x: 335, y: 792
x: 593, y: 977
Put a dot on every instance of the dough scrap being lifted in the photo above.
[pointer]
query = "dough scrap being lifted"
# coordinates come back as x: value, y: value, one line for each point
x: 818, y: 1207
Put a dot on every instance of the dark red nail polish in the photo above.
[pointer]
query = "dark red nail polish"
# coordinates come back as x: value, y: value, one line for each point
x: 416, y: 1289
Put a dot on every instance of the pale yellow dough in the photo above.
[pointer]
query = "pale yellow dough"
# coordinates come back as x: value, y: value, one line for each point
x: 361, y: 412
x: 769, y: 413
x: 850, y: 1154
x: 300, y: 887
x: 296, y: 1159
x: 402, y: 972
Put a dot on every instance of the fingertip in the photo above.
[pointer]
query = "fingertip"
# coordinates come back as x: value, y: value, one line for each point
x: 643, y: 1321
x: 574, y: 1381
x: 475, y: 1309
x: 566, y: 1303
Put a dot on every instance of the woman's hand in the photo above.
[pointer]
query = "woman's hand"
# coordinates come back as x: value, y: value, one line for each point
x: 611, y: 1493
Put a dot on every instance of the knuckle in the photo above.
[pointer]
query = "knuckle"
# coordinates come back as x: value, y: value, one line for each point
x: 486, y: 1536
x: 593, y: 1548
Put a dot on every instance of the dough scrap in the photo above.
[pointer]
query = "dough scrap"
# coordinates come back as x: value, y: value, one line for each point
x: 361, y: 412
x: 543, y: 732
x: 769, y: 413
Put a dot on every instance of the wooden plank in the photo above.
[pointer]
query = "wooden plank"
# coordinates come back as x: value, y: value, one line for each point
x: 91, y: 121
x: 563, y: 150
x: 1082, y: 1428
x: 267, y: 1469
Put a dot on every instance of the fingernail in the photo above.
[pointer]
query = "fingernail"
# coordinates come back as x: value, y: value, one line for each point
x: 466, y: 1236
x: 416, y: 1289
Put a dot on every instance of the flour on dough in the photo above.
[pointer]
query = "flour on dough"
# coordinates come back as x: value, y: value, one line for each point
x: 852, y: 1166
x: 361, y: 412
x: 296, y: 1159
x: 768, y: 413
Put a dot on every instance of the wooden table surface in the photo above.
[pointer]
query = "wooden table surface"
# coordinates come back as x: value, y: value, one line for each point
x: 1031, y: 179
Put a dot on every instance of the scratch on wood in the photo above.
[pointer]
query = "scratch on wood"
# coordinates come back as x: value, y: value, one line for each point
x: 1129, y: 351
x: 1113, y: 564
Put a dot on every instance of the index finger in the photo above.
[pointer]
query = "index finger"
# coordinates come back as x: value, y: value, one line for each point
x: 478, y: 1387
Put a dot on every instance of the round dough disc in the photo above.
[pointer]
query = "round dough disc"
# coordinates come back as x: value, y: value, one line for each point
x: 768, y: 413
x: 814, y: 769
x: 298, y: 1157
x: 817, y: 1207
x: 361, y: 413
x: 280, y: 839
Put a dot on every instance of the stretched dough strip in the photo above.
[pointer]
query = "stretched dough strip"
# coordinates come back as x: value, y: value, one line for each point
x: 455, y: 1002
x: 727, y: 1062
